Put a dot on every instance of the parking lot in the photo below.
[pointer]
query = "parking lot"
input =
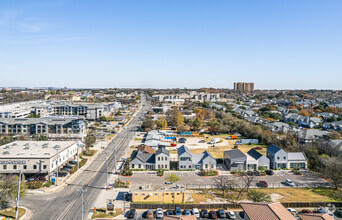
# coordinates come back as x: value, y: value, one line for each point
x: 192, y: 179
x: 141, y: 215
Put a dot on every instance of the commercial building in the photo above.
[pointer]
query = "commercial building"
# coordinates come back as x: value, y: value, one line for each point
x: 280, y: 159
x: 264, y: 210
x: 242, y: 86
x: 36, y: 157
x: 71, y: 126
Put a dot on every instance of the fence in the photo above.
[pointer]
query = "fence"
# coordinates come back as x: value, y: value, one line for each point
x: 256, y: 185
x: 232, y: 205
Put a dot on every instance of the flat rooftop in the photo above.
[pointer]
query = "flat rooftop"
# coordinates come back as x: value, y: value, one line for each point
x: 33, y: 149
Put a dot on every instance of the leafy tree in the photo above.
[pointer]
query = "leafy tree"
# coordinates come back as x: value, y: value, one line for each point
x: 172, y: 178
x: 306, y: 112
x: 89, y: 141
x: 9, y: 190
x: 103, y: 118
x: 178, y: 119
x: 161, y: 122
x: 331, y: 109
x: 197, y: 124
x: 258, y: 196
x: 148, y: 124
x: 200, y: 113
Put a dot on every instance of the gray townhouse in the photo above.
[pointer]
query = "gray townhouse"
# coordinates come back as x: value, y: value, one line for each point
x: 162, y: 159
x: 142, y: 160
x: 235, y: 160
x: 187, y: 160
x: 335, y: 125
x: 280, y: 159
x: 255, y: 160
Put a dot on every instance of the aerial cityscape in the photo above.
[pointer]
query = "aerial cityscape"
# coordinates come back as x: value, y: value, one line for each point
x: 150, y: 109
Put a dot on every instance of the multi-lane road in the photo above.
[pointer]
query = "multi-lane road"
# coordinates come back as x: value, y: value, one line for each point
x: 66, y: 204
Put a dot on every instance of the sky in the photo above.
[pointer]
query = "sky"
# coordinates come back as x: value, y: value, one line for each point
x: 278, y: 44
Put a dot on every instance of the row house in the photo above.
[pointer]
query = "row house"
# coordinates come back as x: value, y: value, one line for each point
x: 188, y: 160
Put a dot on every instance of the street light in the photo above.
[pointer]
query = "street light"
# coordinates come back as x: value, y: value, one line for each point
x: 17, y: 211
x: 106, y: 172
x: 57, y: 147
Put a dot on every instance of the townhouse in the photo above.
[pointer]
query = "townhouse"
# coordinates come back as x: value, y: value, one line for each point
x: 280, y: 159
x: 253, y: 160
x: 188, y: 160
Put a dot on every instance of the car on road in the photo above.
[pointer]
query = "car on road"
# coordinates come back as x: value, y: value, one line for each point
x: 269, y: 172
x: 149, y: 214
x: 221, y: 213
x: 257, y: 148
x: 159, y: 213
x: 178, y: 211
x: 231, y: 215
x: 204, y: 213
x: 169, y: 212
x: 131, y: 213
x: 212, y: 215
x: 263, y: 184
x: 289, y: 182
x: 195, y: 212
x: 186, y: 212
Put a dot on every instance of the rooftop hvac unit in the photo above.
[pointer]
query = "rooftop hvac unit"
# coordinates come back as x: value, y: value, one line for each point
x: 26, y: 148
x: 5, y: 152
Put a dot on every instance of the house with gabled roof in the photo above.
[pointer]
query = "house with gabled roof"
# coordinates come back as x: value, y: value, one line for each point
x: 142, y: 160
x: 255, y: 160
x: 265, y: 210
x: 280, y: 159
x: 188, y: 160
x: 235, y: 160
x: 184, y: 158
x: 162, y: 158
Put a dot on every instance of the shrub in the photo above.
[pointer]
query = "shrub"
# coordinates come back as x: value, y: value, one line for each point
x: 160, y: 172
x: 209, y: 172
x: 34, y: 185
x: 48, y: 184
x: 258, y: 196
x: 296, y: 172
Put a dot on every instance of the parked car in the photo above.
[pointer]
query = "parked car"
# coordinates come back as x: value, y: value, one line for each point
x: 149, y: 214
x: 231, y: 215
x: 178, y: 211
x: 324, y: 211
x: 131, y: 213
x: 306, y: 211
x: 201, y: 141
x: 159, y: 213
x: 173, y: 145
x: 242, y: 214
x: 263, y: 184
x: 186, y: 212
x: 257, y: 148
x: 221, y: 213
x: 236, y: 147
x: 289, y: 182
x: 169, y: 212
x: 168, y: 183
x: 212, y: 215
x: 269, y: 172
x: 204, y: 213
x: 196, y: 212
x: 292, y: 211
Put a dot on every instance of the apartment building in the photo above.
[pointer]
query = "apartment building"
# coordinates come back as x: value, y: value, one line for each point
x: 243, y: 86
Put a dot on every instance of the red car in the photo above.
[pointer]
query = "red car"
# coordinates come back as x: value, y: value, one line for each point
x: 212, y: 215
x: 257, y: 148
x: 306, y: 211
x: 173, y: 145
x: 263, y: 184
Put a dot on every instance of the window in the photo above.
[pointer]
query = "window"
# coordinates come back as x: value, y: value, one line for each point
x: 206, y: 166
x: 156, y: 194
x: 132, y: 166
x: 212, y: 165
x: 142, y: 194
x: 158, y: 158
x: 139, y: 166
x: 162, y: 158
x: 34, y: 167
x: 278, y: 158
x: 284, y: 158
x: 44, y: 167
x: 165, y: 158
x: 165, y: 166
x: 4, y: 167
x: 135, y: 194
x: 14, y: 167
x: 25, y: 167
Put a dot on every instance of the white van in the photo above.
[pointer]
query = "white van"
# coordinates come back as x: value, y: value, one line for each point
x: 196, y: 212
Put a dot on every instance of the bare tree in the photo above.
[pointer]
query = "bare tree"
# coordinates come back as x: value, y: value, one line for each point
x: 244, y: 185
x: 224, y: 183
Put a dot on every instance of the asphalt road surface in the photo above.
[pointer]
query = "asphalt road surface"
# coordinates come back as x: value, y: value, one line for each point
x: 66, y: 204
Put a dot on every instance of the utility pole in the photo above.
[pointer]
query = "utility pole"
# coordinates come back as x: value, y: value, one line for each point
x: 106, y: 172
x: 57, y: 148
x: 82, y: 204
x: 18, y: 197
x: 114, y: 160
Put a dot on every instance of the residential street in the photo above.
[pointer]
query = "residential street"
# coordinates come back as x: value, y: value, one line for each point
x: 66, y: 204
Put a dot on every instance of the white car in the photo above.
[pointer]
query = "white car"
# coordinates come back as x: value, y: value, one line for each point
x: 289, y: 182
x: 196, y: 212
x: 231, y: 215
x: 292, y: 211
x: 159, y: 213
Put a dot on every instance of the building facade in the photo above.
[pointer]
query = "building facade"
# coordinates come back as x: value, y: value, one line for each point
x: 242, y: 86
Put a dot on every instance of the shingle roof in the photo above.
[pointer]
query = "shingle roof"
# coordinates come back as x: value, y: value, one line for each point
x: 162, y: 150
x: 269, y: 211
x: 145, y: 158
x: 145, y: 149
x: 255, y: 154
x: 234, y: 154
x: 315, y: 216
x: 273, y: 148
x: 181, y: 150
